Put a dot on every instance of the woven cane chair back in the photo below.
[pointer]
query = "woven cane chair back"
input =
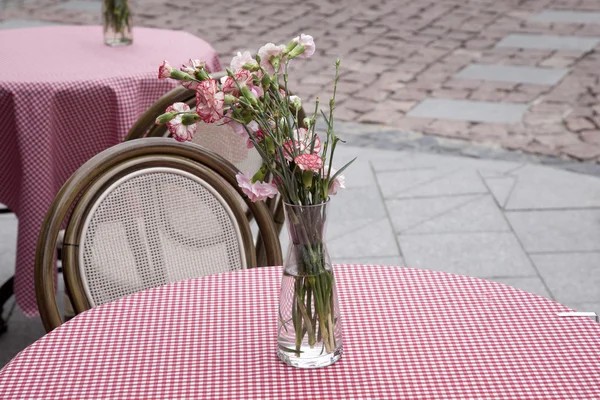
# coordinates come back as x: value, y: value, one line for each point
x: 144, y: 214
x: 221, y: 139
x: 155, y: 226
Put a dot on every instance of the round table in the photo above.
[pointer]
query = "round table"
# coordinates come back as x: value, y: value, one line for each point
x: 407, y: 333
x: 64, y: 97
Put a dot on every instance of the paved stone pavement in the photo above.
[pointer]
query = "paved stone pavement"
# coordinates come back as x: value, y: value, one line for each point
x: 530, y: 69
x: 526, y: 225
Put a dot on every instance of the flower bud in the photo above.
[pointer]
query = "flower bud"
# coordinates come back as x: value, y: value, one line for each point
x: 290, y: 46
x: 201, y: 74
x: 307, y: 178
x: 259, y: 176
x: 164, y: 71
x: 266, y: 81
x: 270, y: 145
x: 190, y: 118
x: 230, y: 99
x: 180, y: 75
x: 296, y: 102
x: 248, y: 94
x: 251, y: 66
x: 299, y: 49
x: 188, y: 70
x: 275, y: 62
x: 307, y: 122
x: 166, y: 117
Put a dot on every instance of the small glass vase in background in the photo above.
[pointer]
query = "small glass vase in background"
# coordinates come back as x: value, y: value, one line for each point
x: 309, y: 329
x: 117, y: 23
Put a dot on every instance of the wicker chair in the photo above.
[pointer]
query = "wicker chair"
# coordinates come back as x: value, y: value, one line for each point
x: 219, y: 138
x: 146, y: 213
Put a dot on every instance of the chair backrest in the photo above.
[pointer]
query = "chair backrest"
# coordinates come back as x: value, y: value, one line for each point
x: 219, y: 138
x: 146, y: 213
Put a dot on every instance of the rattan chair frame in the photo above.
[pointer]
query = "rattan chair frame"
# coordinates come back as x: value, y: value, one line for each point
x: 83, y: 207
x: 95, y: 174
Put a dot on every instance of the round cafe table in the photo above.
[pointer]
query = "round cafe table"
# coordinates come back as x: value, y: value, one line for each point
x: 64, y: 97
x: 407, y: 333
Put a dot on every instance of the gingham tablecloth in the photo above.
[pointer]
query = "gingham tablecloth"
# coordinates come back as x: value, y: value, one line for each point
x: 64, y: 97
x: 407, y: 333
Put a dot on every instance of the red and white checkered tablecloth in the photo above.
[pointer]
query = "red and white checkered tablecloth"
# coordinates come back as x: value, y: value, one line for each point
x: 408, y: 333
x: 64, y: 97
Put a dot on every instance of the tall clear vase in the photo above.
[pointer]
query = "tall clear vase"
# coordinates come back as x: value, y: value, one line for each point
x: 309, y: 329
x: 117, y: 23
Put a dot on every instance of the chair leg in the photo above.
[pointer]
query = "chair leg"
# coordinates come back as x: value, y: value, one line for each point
x: 6, y: 292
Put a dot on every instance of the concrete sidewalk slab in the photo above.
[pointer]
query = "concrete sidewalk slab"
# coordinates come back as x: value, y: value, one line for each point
x: 469, y: 110
x: 516, y: 74
x: 568, y: 16
x: 549, y: 42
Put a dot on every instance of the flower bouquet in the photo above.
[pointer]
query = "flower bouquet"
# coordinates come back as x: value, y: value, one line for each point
x: 117, y: 24
x: 254, y: 100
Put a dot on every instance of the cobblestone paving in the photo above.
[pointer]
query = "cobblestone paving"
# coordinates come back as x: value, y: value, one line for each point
x: 397, y: 53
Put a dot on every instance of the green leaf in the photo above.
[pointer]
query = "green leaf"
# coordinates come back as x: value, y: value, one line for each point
x: 341, y: 170
x: 324, y: 116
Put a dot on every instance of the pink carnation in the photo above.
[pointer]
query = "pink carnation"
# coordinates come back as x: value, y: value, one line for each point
x: 191, y: 69
x: 337, y: 184
x: 181, y: 132
x: 164, y: 71
x: 257, y: 91
x: 266, y: 52
x: 301, y: 144
x: 309, y: 162
x: 309, y: 44
x: 256, y: 191
x: 209, y: 101
x: 243, y: 78
x: 239, y: 128
x: 228, y: 84
x: 258, y: 136
x: 238, y: 61
x: 191, y: 85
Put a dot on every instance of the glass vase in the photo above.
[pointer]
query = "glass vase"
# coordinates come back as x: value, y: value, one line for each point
x: 309, y: 329
x: 117, y: 23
